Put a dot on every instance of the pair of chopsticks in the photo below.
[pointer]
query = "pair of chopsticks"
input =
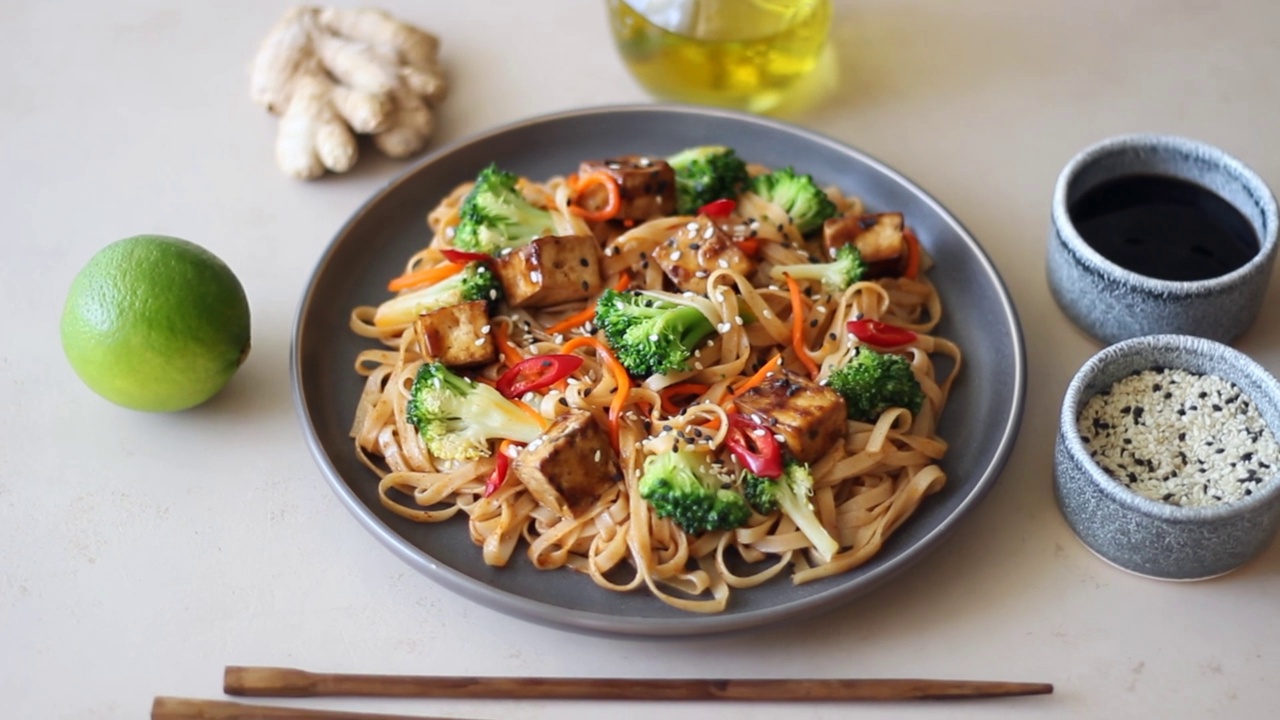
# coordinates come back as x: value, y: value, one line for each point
x: 288, y: 682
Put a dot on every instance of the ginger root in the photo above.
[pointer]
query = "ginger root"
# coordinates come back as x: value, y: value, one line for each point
x: 334, y: 73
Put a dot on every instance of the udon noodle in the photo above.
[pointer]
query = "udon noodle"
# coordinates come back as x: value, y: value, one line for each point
x: 866, y: 486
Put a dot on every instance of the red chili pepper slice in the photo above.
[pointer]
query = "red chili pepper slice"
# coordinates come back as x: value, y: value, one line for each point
x: 536, y: 372
x: 880, y: 334
x: 754, y: 446
x: 718, y: 208
x: 498, y: 475
x: 462, y: 257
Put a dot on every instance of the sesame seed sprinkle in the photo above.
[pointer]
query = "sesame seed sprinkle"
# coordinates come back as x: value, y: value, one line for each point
x: 1180, y: 438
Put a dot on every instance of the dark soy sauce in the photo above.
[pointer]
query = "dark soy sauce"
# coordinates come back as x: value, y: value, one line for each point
x: 1164, y: 227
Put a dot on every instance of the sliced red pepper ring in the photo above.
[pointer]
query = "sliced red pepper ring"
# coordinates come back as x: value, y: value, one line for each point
x: 718, y: 208
x: 880, y: 334
x: 499, y: 474
x: 462, y: 257
x: 754, y: 446
x: 536, y: 373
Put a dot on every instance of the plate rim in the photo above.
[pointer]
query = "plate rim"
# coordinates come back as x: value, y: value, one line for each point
x: 560, y: 617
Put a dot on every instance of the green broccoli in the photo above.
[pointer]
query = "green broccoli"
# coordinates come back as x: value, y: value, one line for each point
x: 706, y: 173
x: 475, y: 282
x: 457, y: 417
x: 872, y: 382
x: 650, y: 335
x: 496, y: 217
x: 698, y: 496
x: 790, y: 493
x: 835, y: 276
x: 802, y: 199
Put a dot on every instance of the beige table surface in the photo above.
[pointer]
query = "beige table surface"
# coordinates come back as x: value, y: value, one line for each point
x: 139, y: 553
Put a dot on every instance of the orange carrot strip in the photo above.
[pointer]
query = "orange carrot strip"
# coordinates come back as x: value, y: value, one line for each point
x: 612, y: 206
x: 528, y: 410
x: 615, y: 368
x: 426, y: 276
x: 797, y: 327
x: 759, y: 377
x: 750, y: 246
x: 509, y: 353
x: 582, y: 317
x: 913, y: 255
x: 670, y: 392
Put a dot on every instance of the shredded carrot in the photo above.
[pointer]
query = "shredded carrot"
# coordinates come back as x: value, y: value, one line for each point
x: 612, y: 206
x: 582, y: 317
x: 669, y: 393
x: 760, y: 376
x: 427, y: 276
x: 543, y: 422
x: 750, y: 246
x: 509, y: 353
x: 797, y: 327
x: 913, y: 255
x: 619, y: 375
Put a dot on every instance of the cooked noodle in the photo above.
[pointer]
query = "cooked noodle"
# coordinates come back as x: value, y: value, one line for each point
x: 865, y: 487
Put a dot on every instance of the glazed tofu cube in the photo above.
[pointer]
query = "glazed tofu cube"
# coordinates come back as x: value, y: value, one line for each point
x: 879, y: 237
x: 647, y: 186
x: 570, y: 465
x: 551, y: 270
x: 458, y: 335
x: 810, y: 417
x: 697, y: 249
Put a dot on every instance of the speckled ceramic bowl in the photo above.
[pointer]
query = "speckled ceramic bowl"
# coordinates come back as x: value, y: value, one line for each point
x: 1146, y: 536
x: 1112, y: 303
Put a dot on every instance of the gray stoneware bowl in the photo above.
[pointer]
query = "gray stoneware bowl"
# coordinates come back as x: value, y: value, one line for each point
x: 1112, y: 303
x: 1146, y: 536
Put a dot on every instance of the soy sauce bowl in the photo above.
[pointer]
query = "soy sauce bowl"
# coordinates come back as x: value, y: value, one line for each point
x: 1148, y: 536
x: 1112, y: 301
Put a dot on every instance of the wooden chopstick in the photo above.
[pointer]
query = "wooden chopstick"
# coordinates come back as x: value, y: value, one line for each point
x: 173, y: 708
x: 288, y: 682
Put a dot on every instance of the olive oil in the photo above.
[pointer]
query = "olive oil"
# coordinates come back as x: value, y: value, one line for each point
x: 745, y: 54
x: 1164, y: 228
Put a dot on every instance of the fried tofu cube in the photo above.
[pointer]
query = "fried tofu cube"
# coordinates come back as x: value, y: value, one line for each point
x: 647, y: 186
x: 458, y: 335
x: 810, y: 417
x: 879, y: 238
x: 551, y: 270
x: 570, y: 465
x: 699, y: 247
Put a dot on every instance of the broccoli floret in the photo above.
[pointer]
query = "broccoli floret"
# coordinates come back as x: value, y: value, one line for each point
x: 684, y: 486
x: 706, y: 173
x: 798, y: 195
x: 650, y: 335
x: 835, y: 276
x: 479, y: 282
x: 790, y: 493
x: 495, y: 216
x: 457, y: 417
x: 475, y: 282
x: 873, y: 382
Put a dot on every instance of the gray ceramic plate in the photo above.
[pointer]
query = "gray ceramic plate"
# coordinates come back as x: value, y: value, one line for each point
x: 980, y: 422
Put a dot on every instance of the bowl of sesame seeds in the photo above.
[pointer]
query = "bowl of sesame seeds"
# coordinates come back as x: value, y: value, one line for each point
x: 1166, y: 459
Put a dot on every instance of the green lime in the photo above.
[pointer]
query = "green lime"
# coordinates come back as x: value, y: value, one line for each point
x: 155, y: 323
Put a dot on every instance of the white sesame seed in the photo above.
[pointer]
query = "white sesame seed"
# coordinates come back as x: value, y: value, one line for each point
x: 709, y: 233
x: 486, y: 329
x: 675, y: 256
x: 479, y: 342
